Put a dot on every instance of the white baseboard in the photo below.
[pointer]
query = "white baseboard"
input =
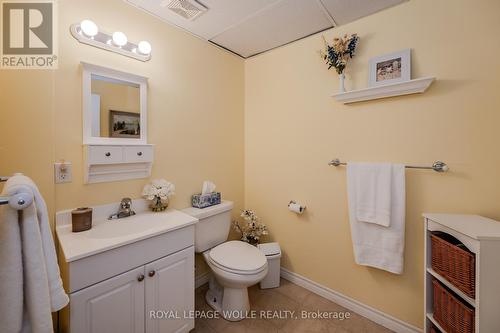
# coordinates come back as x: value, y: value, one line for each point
x: 201, y: 279
x: 364, y: 310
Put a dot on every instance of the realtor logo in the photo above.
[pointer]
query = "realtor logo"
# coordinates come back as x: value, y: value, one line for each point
x: 28, y: 35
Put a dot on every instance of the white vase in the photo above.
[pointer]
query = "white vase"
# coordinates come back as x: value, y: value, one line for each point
x: 341, y: 83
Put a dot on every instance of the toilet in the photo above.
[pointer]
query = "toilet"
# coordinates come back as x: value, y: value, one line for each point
x: 235, y: 265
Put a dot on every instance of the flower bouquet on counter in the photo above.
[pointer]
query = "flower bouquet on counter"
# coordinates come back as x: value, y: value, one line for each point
x: 251, y: 229
x: 158, y: 192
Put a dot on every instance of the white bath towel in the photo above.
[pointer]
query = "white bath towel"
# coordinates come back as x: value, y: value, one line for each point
x: 31, y: 285
x: 377, y: 245
x: 372, y: 191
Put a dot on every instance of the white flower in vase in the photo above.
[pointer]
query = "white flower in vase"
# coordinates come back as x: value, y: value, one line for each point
x: 158, y: 192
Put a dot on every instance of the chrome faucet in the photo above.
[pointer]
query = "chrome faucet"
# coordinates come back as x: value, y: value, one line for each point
x: 125, y: 210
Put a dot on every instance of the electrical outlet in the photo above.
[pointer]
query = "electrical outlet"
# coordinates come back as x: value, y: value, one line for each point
x: 63, y: 172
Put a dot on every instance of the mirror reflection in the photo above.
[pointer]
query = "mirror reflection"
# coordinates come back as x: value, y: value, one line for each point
x: 115, y: 108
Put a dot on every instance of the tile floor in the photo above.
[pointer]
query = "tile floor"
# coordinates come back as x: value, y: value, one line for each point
x: 287, y: 297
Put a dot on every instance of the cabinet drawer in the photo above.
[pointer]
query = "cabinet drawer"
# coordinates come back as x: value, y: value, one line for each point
x: 137, y: 154
x: 105, y: 154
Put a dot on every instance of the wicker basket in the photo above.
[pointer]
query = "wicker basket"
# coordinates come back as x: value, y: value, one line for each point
x: 453, y: 261
x: 451, y: 312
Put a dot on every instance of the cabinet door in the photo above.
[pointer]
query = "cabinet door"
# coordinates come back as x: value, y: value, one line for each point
x: 114, y: 305
x: 170, y: 289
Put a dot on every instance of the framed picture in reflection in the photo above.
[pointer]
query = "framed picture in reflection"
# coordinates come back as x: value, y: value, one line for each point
x: 124, y: 124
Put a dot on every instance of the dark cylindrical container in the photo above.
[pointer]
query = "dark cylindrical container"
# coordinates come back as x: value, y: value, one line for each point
x: 81, y: 219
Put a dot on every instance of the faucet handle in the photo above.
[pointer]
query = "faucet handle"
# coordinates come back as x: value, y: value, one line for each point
x: 125, y: 209
x: 126, y: 203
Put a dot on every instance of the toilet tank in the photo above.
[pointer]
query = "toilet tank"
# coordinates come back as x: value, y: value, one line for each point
x: 213, y: 225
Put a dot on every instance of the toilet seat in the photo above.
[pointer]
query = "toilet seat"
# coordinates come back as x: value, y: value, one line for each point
x: 238, y: 257
x: 237, y: 271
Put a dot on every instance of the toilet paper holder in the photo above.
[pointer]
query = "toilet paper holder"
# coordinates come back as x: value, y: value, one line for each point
x: 295, y: 207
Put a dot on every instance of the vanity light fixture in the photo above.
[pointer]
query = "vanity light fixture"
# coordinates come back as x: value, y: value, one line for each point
x: 119, y: 39
x: 87, y: 32
x: 144, y: 47
x: 89, y: 28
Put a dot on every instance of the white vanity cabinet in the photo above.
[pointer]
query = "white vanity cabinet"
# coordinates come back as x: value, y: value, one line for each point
x: 120, y: 274
x: 123, y: 303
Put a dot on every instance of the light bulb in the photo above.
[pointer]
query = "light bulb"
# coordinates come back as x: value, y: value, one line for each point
x: 89, y: 28
x: 144, y: 47
x: 119, y: 39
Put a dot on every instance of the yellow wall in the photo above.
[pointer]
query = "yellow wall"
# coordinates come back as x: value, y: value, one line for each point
x: 195, y: 103
x: 195, y: 106
x: 293, y: 128
x: 195, y: 115
x: 116, y: 97
x: 27, y: 127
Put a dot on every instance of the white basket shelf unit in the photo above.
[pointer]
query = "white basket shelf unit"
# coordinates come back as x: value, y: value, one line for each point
x: 390, y: 90
x: 481, y: 236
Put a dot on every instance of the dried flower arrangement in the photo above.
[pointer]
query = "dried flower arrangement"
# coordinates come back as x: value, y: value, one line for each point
x: 340, y: 52
x: 252, y: 229
x: 158, y: 192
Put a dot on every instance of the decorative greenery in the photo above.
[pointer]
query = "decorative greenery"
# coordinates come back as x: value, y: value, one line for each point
x: 340, y: 52
x: 251, y: 230
x: 158, y: 192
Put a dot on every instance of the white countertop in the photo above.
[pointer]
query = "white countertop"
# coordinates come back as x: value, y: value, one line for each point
x: 109, y: 234
x: 474, y: 226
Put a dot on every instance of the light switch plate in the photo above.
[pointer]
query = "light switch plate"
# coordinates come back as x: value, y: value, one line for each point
x: 63, y: 172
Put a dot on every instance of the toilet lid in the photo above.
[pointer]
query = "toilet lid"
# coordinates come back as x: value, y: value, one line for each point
x: 238, y: 255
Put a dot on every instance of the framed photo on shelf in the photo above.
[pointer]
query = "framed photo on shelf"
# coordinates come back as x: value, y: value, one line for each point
x: 390, y: 68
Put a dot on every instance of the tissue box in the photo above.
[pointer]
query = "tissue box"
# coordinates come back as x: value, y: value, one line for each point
x: 205, y: 200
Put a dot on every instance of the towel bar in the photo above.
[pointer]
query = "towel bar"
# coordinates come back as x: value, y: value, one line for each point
x: 17, y: 201
x: 437, y: 166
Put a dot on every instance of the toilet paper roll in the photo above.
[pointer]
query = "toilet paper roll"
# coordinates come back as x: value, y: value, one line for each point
x: 296, y: 208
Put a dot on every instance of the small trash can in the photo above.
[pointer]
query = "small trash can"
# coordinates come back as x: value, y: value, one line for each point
x: 272, y: 251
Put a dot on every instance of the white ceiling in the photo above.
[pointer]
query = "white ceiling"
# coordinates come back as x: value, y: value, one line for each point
x: 250, y: 27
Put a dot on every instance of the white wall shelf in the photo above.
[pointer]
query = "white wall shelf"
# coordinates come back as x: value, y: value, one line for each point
x: 390, y: 90
x: 108, y: 163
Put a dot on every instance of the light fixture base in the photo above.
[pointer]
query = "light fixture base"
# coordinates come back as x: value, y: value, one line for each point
x: 101, y: 40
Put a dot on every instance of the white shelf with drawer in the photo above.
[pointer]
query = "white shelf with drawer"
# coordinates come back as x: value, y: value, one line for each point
x: 107, y: 163
x: 482, y: 237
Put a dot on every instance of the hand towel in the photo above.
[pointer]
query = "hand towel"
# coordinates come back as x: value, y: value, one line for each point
x: 33, y: 250
x: 11, y: 271
x: 372, y: 191
x: 377, y: 245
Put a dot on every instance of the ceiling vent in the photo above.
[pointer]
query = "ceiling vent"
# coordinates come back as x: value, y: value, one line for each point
x: 188, y: 9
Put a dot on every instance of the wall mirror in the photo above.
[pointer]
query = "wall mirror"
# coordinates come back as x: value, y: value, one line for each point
x: 114, y: 106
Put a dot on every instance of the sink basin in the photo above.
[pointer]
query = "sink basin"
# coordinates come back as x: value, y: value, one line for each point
x: 109, y: 234
x: 127, y: 226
